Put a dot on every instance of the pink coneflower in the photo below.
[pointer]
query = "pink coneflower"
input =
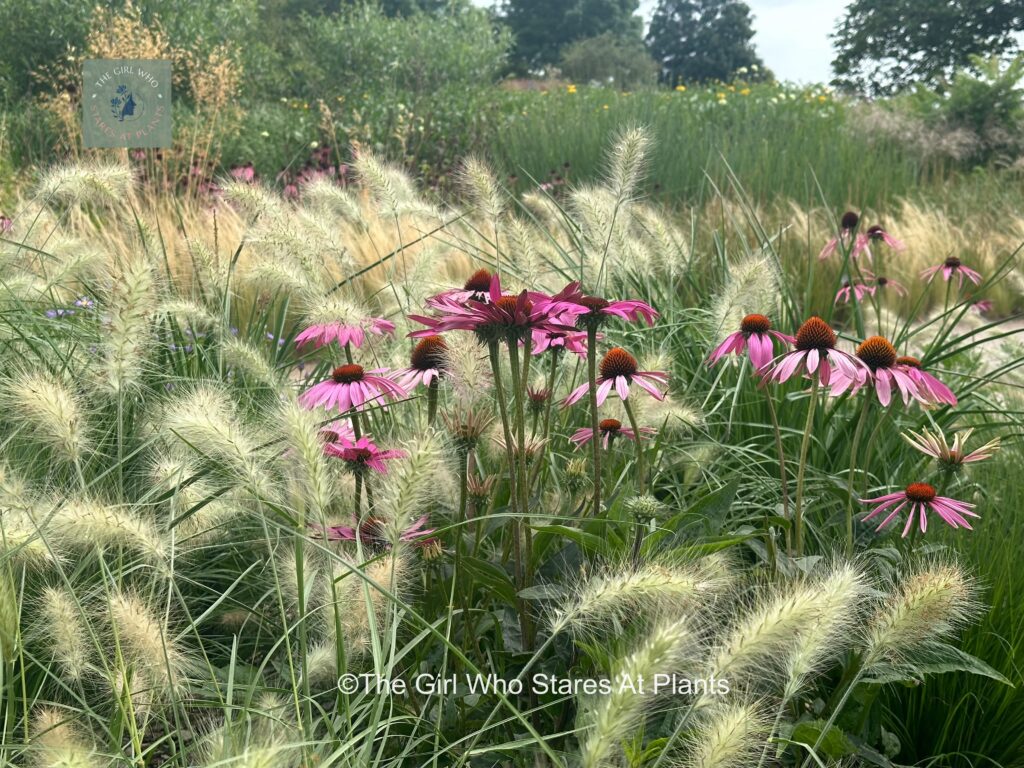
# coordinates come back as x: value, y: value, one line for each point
x: 426, y: 363
x: 244, y: 173
x: 537, y: 399
x: 875, y: 234
x: 982, y: 307
x: 494, y: 319
x: 955, y: 456
x: 880, y: 370
x: 352, y: 387
x: 609, y: 429
x: 885, y: 284
x: 755, y: 334
x: 858, y: 290
x: 477, y: 288
x: 619, y: 371
x: 345, y: 333
x: 336, y: 432
x: 571, y: 341
x: 847, y: 224
x: 363, y: 454
x: 373, y: 532
x: 6, y: 225
x: 921, y: 498
x: 815, y: 353
x: 950, y: 267
x: 572, y: 301
x: 933, y: 390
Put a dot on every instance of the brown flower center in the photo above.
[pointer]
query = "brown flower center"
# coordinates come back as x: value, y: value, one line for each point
x: 429, y: 353
x: 877, y: 352
x: 508, y: 304
x: 815, y: 333
x: 755, y: 324
x: 618, y: 362
x: 361, y: 455
x: 953, y: 262
x: 849, y: 220
x: 610, y: 425
x: 909, y: 361
x: 920, y: 492
x: 882, y: 282
x: 479, y: 282
x: 346, y: 374
x: 593, y: 303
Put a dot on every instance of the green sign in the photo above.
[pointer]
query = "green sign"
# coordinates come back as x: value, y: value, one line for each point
x: 126, y: 103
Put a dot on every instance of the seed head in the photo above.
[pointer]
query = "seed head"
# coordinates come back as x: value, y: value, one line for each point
x: 815, y: 333
x: 877, y: 352
x: 618, y: 362
x: 346, y: 374
x: 755, y: 324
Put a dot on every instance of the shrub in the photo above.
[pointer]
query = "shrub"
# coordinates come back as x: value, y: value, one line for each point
x: 623, y: 62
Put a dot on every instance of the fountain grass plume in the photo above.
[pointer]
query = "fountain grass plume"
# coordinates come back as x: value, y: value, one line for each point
x: 305, y: 461
x: 88, y: 523
x: 251, y: 362
x: 10, y: 615
x: 87, y: 183
x: 627, y: 162
x: 130, y: 308
x: 480, y: 185
x: 751, y: 286
x: 727, y: 735
x: 186, y: 313
x: 57, y: 743
x: 264, y: 736
x: 415, y: 485
x: 60, y: 628
x: 610, y: 719
x: 329, y: 198
x: 51, y: 413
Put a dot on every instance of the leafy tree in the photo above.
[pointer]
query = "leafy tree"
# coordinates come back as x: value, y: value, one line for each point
x: 623, y: 61
x: 543, y: 28
x: 885, y: 45
x: 695, y: 40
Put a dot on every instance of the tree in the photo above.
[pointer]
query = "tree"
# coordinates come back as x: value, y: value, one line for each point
x: 886, y: 45
x: 607, y: 58
x: 695, y: 40
x: 543, y: 28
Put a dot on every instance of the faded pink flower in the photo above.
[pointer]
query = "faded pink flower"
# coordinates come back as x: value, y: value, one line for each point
x: 952, y: 267
x: 363, y: 454
x: 345, y: 333
x: 859, y: 291
x: 933, y: 390
x: 426, y: 363
x: 921, y: 498
x: 609, y: 429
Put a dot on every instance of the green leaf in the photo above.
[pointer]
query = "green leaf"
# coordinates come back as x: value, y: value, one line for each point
x: 492, y: 577
x: 835, y: 744
x: 587, y: 541
x: 938, y: 658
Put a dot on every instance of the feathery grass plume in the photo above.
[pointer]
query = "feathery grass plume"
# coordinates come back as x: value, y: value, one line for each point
x: 130, y: 308
x: 250, y: 361
x: 928, y: 605
x: 524, y: 242
x: 763, y: 635
x: 751, y: 286
x: 478, y: 180
x: 614, y: 717
x: 203, y: 422
x: 328, y: 197
x: 844, y: 592
x: 310, y: 470
x: 156, y: 664
x: 727, y: 736
x: 22, y: 542
x: 667, y: 244
x: 281, y: 275
x: 87, y: 523
x: 209, y: 268
x: 10, y: 614
x: 389, y: 186
x: 93, y: 182
x: 334, y: 308
x: 51, y: 412
x: 254, y: 200
x: 621, y: 593
x: 60, y: 626
x: 264, y: 736
x: 57, y: 743
x: 546, y: 208
x: 627, y: 162
x: 186, y: 313
x: 468, y: 369
x: 412, y: 486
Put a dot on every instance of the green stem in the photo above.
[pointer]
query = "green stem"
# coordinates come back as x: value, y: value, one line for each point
x: 853, y: 468
x: 432, y: 401
x: 798, y: 513
x: 594, y: 419
x: 641, y: 479
x: 784, y: 479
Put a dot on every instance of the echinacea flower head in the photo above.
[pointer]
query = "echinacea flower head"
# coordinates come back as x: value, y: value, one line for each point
x: 883, y: 283
x: 363, y: 454
x: 755, y: 334
x: 858, y: 291
x: 345, y: 332
x: 593, y: 310
x: 921, y: 498
x: 618, y: 371
x: 847, y: 224
x: 476, y: 288
x: 373, y: 533
x: 875, y: 234
x: 556, y: 341
x: 609, y: 429
x: 933, y: 391
x: 350, y: 386
x: 954, y: 456
x: 427, y: 363
x: 815, y: 353
x: 950, y: 268
x: 6, y: 225
x: 880, y: 371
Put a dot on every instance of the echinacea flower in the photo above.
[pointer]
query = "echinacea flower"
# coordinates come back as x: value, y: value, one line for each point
x: 6, y: 225
x: 345, y: 333
x: 880, y: 370
x: 373, y: 532
x: 609, y: 429
x: 571, y: 341
x: 934, y: 444
x: 363, y: 454
x: 858, y: 290
x: 847, y: 224
x: 886, y: 284
x: 350, y: 386
x: 952, y: 267
x: 921, y: 498
x: 875, y: 234
x: 815, y: 353
x: 933, y: 390
x: 982, y: 307
x: 426, y: 363
x: 594, y: 310
x: 619, y: 370
x: 477, y: 288
x: 336, y: 432
x: 755, y: 334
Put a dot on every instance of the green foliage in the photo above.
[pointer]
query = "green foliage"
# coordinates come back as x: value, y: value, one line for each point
x: 543, y: 28
x: 886, y: 45
x: 611, y: 60
x: 700, y: 40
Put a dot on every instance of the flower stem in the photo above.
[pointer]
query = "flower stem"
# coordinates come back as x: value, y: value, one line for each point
x: 798, y: 512
x: 594, y: 420
x: 783, y: 478
x: 641, y: 479
x: 432, y: 401
x: 853, y: 467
